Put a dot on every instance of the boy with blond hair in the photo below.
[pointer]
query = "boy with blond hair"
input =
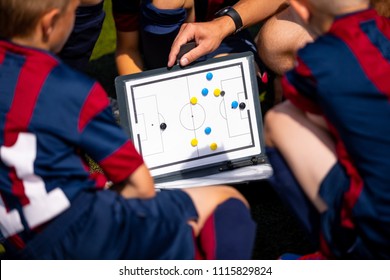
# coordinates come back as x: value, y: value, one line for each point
x: 51, y: 207
x: 332, y: 133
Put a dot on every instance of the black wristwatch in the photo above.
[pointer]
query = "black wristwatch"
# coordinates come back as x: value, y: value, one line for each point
x: 231, y: 12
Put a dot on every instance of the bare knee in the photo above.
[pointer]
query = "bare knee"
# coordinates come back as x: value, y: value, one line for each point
x: 177, y: 4
x: 207, y: 199
x: 231, y: 192
x: 89, y: 2
x: 279, y: 39
x: 217, y: 193
x: 275, y: 119
x: 173, y: 4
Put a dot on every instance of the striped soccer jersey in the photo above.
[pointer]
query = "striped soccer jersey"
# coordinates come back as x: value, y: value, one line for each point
x: 50, y: 117
x: 345, y: 76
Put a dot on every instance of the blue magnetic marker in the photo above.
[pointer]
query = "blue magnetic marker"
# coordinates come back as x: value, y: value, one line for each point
x: 234, y: 105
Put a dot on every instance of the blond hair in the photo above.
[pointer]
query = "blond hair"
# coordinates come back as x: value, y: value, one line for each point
x: 382, y: 6
x: 19, y: 17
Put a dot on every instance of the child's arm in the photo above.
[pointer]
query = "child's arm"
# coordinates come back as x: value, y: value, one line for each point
x: 105, y: 142
x: 127, y: 56
x: 140, y: 184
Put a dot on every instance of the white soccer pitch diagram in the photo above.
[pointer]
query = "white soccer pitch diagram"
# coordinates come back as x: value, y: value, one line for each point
x: 206, y: 114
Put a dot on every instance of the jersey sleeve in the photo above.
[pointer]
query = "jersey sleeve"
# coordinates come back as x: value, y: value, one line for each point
x: 126, y: 15
x: 104, y: 140
x: 299, y: 86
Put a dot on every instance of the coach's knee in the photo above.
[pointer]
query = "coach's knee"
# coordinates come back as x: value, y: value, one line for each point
x: 279, y: 39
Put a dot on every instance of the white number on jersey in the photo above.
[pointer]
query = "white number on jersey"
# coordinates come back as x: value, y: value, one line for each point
x: 43, y: 206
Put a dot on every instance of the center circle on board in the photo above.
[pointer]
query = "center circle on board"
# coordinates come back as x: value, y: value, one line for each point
x: 192, y: 117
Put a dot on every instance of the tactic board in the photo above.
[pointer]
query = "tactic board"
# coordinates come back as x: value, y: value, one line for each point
x: 197, y: 120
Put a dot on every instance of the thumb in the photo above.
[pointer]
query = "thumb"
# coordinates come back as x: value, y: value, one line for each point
x: 191, y: 56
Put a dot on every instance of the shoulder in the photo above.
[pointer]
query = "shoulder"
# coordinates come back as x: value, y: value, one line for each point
x: 324, y: 54
x: 71, y: 81
x: 71, y: 88
x: 318, y: 48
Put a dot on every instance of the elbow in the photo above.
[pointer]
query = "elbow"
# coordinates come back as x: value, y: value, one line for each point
x: 150, y: 193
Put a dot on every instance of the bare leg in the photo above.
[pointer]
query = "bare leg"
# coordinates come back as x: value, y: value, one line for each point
x: 89, y: 2
x: 175, y: 4
x: 306, y: 146
x: 279, y: 39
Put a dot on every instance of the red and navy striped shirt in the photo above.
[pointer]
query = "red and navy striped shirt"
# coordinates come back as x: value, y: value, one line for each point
x: 345, y: 76
x: 50, y: 117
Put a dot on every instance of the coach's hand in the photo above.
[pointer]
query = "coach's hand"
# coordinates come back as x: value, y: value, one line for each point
x: 207, y: 36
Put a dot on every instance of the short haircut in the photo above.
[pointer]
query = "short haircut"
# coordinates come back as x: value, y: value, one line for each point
x: 19, y: 17
x: 382, y: 6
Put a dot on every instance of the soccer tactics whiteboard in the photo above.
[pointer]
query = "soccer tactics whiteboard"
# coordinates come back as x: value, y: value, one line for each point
x: 204, y: 117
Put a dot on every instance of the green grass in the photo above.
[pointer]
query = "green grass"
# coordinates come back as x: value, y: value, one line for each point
x: 102, y: 63
x: 107, y: 41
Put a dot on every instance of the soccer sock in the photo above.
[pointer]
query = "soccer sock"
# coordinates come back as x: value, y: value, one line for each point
x: 228, y: 233
x: 290, y: 192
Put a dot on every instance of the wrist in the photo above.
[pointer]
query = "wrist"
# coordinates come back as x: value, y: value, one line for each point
x: 226, y: 26
x: 233, y: 15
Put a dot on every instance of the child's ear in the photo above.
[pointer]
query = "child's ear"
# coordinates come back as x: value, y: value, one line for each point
x: 48, y: 23
x: 301, y: 9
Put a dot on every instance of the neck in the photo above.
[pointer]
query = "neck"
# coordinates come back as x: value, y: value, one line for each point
x: 33, y: 40
x: 352, y: 9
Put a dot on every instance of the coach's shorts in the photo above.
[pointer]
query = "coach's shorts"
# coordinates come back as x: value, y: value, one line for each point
x: 103, y: 225
x: 159, y: 28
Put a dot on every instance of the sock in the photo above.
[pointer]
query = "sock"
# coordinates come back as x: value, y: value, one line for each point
x: 229, y: 233
x: 290, y: 192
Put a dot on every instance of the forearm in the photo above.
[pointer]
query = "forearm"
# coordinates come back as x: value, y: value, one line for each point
x: 140, y: 184
x: 127, y: 56
x: 251, y: 12
x: 254, y: 11
x: 209, y: 35
x: 128, y: 63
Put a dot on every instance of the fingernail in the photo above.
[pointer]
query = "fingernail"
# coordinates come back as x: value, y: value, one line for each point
x: 184, y: 61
